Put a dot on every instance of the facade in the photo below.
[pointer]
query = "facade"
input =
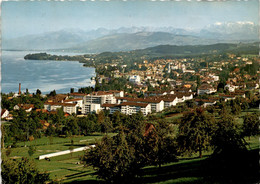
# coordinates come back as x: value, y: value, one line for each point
x: 130, y: 108
x: 77, y: 101
x: 100, y: 97
x: 91, y: 108
x: 206, y: 89
x: 135, y: 79
x: 67, y: 107
x: 4, y: 113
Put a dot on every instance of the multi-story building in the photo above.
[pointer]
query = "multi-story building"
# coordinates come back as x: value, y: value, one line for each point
x: 67, y: 107
x: 130, y: 108
x: 91, y: 108
x: 100, y: 97
x: 206, y: 89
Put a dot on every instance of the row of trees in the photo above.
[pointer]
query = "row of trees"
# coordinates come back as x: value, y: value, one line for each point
x: 118, y: 159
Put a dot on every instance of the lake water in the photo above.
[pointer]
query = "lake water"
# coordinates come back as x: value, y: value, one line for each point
x: 42, y: 74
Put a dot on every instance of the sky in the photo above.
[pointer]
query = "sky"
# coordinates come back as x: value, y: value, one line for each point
x: 35, y: 17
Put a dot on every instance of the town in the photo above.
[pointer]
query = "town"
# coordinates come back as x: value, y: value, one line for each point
x: 159, y: 85
x: 148, y: 104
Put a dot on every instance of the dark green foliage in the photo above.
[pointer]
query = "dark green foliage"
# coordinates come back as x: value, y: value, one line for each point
x: 227, y: 137
x: 113, y: 159
x: 251, y: 125
x: 32, y: 150
x: 52, y: 93
x: 231, y: 159
x: 22, y: 171
x: 195, y: 131
x: 120, y: 158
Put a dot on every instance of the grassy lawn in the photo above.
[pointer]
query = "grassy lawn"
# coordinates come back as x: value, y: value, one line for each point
x: 65, y: 167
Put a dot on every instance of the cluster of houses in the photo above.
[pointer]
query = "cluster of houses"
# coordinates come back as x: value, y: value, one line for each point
x: 79, y: 103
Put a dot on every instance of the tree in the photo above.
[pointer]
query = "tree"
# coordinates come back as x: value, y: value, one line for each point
x: 251, y: 125
x: 195, y: 131
x: 164, y: 148
x: 113, y: 159
x: 227, y: 137
x: 230, y: 158
x: 22, y: 171
x: 38, y: 92
x: 32, y: 150
x: 71, y: 90
x: 52, y: 93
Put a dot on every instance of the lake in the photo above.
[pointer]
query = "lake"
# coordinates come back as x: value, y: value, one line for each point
x: 42, y: 74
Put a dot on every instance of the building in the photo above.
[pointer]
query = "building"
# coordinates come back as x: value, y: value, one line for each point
x: 170, y: 100
x: 135, y: 79
x: 130, y: 108
x: 26, y: 107
x: 77, y: 101
x: 4, y: 113
x: 78, y: 95
x: 100, y: 97
x: 206, y: 89
x: 91, y: 108
x: 66, y: 107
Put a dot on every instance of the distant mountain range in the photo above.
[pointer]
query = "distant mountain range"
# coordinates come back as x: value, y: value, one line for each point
x: 126, y: 39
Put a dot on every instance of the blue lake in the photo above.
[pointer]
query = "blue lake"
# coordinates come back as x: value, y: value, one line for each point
x: 42, y: 74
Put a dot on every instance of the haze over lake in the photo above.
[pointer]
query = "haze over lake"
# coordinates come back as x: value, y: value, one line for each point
x: 42, y: 74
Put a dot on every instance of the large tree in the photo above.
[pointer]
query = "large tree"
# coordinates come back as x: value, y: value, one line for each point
x: 251, y: 125
x: 113, y: 159
x: 195, y: 131
x: 21, y: 171
x: 227, y: 136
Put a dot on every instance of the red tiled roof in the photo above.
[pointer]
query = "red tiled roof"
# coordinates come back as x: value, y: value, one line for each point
x: 78, y: 94
x: 133, y: 104
x: 72, y: 100
x: 60, y: 104
x: 25, y: 106
x: 102, y: 93
x: 3, y: 111
x: 108, y: 105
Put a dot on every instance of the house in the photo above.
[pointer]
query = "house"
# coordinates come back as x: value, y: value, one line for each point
x: 206, y: 89
x: 78, y: 95
x: 77, y: 101
x: 135, y: 79
x: 117, y: 93
x: 206, y: 102
x: 149, y: 129
x: 59, y: 98
x: 67, y: 107
x: 170, y: 100
x: 26, y: 107
x: 45, y: 124
x: 4, y: 113
x: 227, y: 97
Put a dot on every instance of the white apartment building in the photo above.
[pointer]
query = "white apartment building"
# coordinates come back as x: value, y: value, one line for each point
x: 91, y: 108
x: 100, y: 97
x: 67, y: 107
x: 130, y: 108
x: 135, y: 79
x: 206, y: 89
x: 77, y: 101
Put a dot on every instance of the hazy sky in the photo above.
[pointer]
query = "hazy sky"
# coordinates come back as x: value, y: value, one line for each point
x: 23, y: 18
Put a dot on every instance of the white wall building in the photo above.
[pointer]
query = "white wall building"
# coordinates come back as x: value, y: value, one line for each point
x: 91, y: 108
x: 135, y: 79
